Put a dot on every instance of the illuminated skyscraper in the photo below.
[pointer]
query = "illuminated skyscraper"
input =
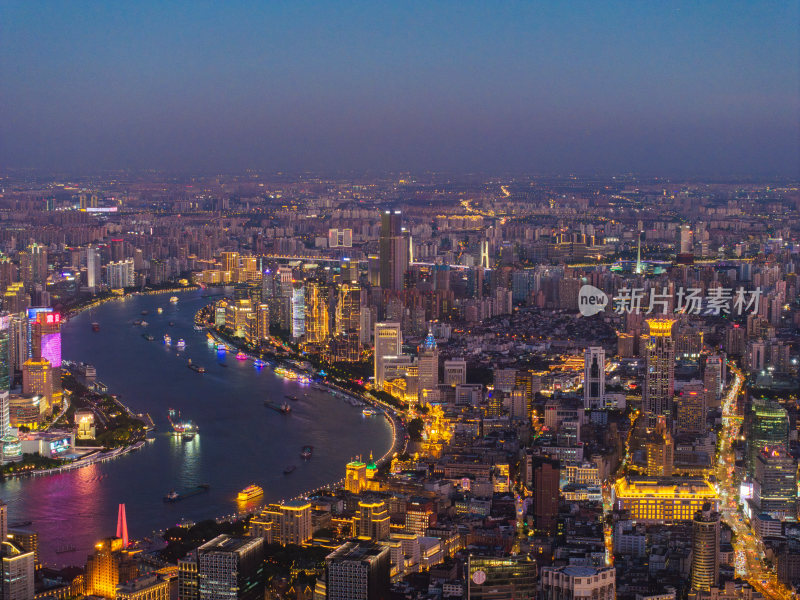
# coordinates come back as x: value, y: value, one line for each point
x: 489, y: 577
x: 348, y: 309
x: 358, y: 571
x: 394, y: 252
x: 46, y: 338
x: 660, y: 450
x: 705, y: 549
x: 388, y: 342
x: 767, y: 424
x: 93, y: 269
x: 120, y: 274
x: 37, y: 380
x: 298, y: 311
x: 230, y: 261
x: 775, y: 482
x: 17, y: 572
x: 231, y: 568
x: 371, y: 520
x: 318, y: 315
x: 594, y: 377
x: 109, y: 566
x: 355, y: 479
x: 428, y: 368
x: 5, y: 356
x: 659, y: 386
x: 33, y: 265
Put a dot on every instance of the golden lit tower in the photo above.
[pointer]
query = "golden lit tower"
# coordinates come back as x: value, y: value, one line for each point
x: 355, y: 477
x: 317, y: 313
x: 705, y: 549
x: 659, y: 386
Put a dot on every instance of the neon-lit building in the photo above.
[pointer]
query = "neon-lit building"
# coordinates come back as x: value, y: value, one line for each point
x: 46, y: 337
x: 355, y: 477
x: 662, y: 499
x: 659, y: 386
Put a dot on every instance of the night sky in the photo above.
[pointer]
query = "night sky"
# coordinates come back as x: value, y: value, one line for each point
x: 666, y: 88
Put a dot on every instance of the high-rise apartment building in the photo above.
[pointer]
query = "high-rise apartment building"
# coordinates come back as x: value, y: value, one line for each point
x: 288, y: 523
x: 546, y: 494
x: 371, y: 520
x: 120, y: 274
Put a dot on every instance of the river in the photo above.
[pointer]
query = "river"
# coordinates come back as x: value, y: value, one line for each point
x: 240, y: 440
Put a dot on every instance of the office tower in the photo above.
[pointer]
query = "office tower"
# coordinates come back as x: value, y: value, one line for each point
x: 93, y: 268
x: 5, y: 349
x: 574, y: 582
x: 117, y: 249
x: 594, y: 377
x: 318, y: 316
x: 37, y: 380
x: 231, y: 568
x: 16, y: 299
x: 188, y: 583
x: 660, y: 450
x: 705, y: 549
x: 109, y: 566
x: 428, y: 369
x: 17, y: 572
x: 355, y: 479
x: 659, y: 384
x: 33, y: 265
x: 767, y: 424
x: 298, y: 311
x: 371, y: 520
x: 288, y: 523
x: 686, y: 242
x: 230, y: 261
x: 775, y: 482
x: 420, y: 514
x: 546, y: 491
x: 393, y: 251
x: 388, y: 342
x: 120, y: 274
x: 455, y: 372
x: 348, y: 309
x: 691, y: 410
x: 491, y: 577
x: 46, y: 338
x: 358, y: 571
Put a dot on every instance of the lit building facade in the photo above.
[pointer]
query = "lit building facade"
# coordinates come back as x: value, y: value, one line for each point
x: 659, y: 386
x: 594, y: 377
x: 574, y: 582
x: 388, y: 343
x: 705, y: 549
x: 358, y: 571
x: 490, y: 577
x: 231, y: 568
x: 661, y: 500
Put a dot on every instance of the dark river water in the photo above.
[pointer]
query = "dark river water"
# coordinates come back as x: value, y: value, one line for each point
x: 240, y: 440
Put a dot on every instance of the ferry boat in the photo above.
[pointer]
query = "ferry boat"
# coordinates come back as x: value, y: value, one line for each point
x: 288, y: 470
x: 241, y: 356
x: 187, y: 435
x: 173, y: 300
x: 369, y: 412
x: 221, y: 348
x: 250, y: 492
x: 167, y: 339
x: 148, y: 337
x: 95, y: 326
x: 144, y: 323
x: 258, y: 363
x: 196, y: 368
x: 174, y: 496
x: 160, y: 310
x: 281, y: 408
x: 181, y: 344
x: 307, y: 452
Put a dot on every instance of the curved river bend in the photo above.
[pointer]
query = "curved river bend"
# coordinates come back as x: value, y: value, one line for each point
x: 240, y: 440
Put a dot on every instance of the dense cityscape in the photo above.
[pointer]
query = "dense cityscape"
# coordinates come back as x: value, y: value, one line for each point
x: 345, y: 300
x: 592, y: 384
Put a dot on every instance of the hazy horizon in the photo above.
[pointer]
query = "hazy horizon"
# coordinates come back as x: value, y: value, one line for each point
x: 674, y: 89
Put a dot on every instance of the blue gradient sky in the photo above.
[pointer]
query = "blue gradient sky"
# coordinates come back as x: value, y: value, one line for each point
x: 672, y: 88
